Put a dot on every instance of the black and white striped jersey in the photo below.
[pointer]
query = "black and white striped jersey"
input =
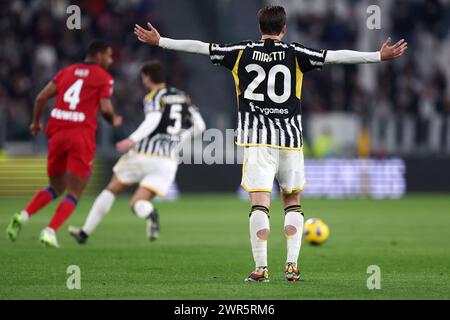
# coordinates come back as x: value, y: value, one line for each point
x: 268, y: 77
x: 176, y: 119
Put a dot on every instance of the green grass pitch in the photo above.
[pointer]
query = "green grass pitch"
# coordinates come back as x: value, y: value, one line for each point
x: 204, y: 252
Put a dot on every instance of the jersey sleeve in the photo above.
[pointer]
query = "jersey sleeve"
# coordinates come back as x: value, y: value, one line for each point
x: 225, y: 54
x: 194, y: 126
x: 152, y: 102
x: 197, y: 120
x: 107, y: 87
x: 309, y: 59
x: 150, y: 123
x: 192, y: 112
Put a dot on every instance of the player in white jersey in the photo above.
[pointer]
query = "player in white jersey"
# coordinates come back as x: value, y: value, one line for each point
x: 268, y: 76
x: 150, y: 159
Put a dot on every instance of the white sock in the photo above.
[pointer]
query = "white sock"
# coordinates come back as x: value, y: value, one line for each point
x: 259, y: 220
x: 143, y: 208
x: 294, y: 218
x: 99, y: 209
x: 25, y: 216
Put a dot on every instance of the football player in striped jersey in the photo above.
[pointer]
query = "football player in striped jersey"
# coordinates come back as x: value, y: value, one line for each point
x: 268, y: 76
x: 151, y: 153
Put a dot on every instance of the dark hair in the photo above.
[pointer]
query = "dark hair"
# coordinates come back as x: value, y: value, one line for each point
x: 271, y: 20
x: 155, y: 70
x: 97, y: 46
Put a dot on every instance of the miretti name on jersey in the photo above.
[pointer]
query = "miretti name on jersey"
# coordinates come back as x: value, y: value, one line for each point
x: 268, y: 76
x: 176, y: 119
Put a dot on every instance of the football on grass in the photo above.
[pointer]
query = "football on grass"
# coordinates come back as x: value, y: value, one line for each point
x: 315, y: 231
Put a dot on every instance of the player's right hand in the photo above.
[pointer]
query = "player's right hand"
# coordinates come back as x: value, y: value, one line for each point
x: 150, y: 36
x: 35, y: 128
x: 117, y: 121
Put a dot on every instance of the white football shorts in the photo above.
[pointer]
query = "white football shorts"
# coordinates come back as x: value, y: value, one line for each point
x: 264, y: 164
x: 151, y: 172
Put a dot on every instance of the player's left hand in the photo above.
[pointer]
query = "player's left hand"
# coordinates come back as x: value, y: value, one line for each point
x: 35, y: 128
x: 392, y: 52
x: 150, y: 36
x: 124, y: 145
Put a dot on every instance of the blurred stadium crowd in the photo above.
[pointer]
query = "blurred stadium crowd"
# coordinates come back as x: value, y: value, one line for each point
x: 34, y: 46
x: 404, y: 105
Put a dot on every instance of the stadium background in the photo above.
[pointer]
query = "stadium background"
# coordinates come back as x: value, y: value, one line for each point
x: 376, y: 131
x: 398, y: 110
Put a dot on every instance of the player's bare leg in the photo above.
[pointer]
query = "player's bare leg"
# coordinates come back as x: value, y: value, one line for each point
x: 74, y: 187
x: 259, y: 234
x: 102, y: 205
x: 293, y: 229
x: 142, y: 206
x: 58, y: 183
x: 40, y: 200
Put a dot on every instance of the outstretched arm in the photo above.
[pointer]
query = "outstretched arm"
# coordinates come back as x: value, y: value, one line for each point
x: 146, y: 127
x: 153, y: 38
x: 386, y: 52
